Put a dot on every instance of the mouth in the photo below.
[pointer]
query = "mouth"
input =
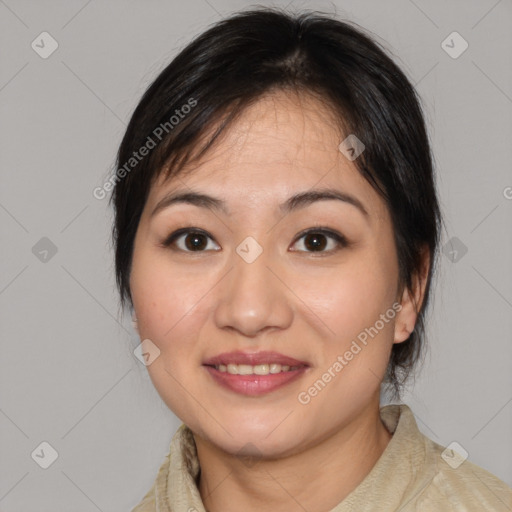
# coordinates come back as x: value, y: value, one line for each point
x: 254, y: 374
x: 259, y: 369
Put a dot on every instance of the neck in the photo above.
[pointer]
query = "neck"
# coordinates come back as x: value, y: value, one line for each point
x: 316, y: 479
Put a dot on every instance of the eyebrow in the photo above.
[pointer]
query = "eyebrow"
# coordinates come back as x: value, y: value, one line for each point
x: 295, y: 202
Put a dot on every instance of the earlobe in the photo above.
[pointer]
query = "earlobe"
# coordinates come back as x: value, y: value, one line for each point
x: 135, y: 323
x: 405, y: 319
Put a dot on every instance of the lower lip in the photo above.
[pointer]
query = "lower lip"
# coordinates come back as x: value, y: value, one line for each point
x: 255, y: 385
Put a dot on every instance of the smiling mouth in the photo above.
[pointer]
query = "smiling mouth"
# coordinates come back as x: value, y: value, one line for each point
x: 259, y: 369
x: 254, y: 384
x: 254, y: 374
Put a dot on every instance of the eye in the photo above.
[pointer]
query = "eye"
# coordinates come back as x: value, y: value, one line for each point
x: 315, y: 240
x: 195, y: 240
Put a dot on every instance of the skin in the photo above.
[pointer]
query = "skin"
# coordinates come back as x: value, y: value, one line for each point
x: 292, y: 299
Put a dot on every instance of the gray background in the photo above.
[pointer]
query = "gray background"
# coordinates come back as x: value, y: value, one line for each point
x: 68, y: 375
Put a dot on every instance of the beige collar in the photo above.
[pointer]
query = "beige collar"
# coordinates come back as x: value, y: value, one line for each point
x: 397, y: 476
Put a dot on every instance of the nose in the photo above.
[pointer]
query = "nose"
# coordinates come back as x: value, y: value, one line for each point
x: 253, y: 297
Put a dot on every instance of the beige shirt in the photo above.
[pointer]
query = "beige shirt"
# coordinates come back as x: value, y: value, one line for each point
x: 413, y: 474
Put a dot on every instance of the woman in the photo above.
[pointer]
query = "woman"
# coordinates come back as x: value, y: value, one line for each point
x: 276, y: 234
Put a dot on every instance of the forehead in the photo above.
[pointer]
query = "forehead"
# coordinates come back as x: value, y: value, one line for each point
x: 281, y: 128
x: 283, y: 144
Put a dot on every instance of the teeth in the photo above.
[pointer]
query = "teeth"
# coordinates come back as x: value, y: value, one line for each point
x: 275, y: 368
x: 233, y: 369
x: 244, y: 369
x: 259, y: 369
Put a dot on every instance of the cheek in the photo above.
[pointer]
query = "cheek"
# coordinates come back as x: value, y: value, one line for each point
x: 352, y: 298
x: 170, y: 313
x: 164, y: 296
x: 357, y: 306
x: 173, y: 306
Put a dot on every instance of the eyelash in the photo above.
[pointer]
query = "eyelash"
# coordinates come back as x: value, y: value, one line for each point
x: 337, y: 237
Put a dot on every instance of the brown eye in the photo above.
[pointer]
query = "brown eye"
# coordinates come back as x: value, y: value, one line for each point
x: 317, y: 240
x: 194, y: 240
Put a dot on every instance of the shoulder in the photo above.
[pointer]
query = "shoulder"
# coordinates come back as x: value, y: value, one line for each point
x: 434, y: 478
x: 175, y: 476
x: 460, y: 485
x: 148, y: 503
x: 155, y: 499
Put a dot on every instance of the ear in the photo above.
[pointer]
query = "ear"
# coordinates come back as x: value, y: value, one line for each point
x: 134, y: 323
x: 411, y: 301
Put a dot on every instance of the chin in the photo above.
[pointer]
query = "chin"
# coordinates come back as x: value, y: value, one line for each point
x: 254, y: 440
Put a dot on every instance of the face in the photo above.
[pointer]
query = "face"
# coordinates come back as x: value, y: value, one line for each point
x: 274, y: 319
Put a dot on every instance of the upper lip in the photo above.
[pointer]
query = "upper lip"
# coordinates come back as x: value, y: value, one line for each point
x: 253, y: 358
